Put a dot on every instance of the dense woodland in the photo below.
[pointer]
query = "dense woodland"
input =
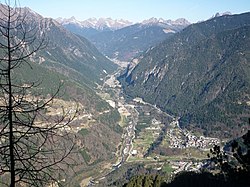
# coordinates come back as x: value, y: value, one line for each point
x: 201, y: 75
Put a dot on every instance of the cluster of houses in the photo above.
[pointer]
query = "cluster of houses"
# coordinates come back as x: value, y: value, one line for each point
x: 181, y: 138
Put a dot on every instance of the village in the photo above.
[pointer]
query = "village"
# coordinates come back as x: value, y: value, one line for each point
x: 181, y: 138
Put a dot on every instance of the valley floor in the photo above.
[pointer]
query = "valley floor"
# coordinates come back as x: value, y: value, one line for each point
x: 151, y: 136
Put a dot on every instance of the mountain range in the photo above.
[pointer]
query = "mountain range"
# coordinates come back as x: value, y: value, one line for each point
x: 98, y: 24
x: 122, y: 40
x: 114, y: 24
x: 200, y: 75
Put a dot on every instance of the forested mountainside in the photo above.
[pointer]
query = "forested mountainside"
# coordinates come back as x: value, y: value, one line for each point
x: 130, y: 41
x: 75, y: 53
x: 200, y: 74
x: 66, y: 52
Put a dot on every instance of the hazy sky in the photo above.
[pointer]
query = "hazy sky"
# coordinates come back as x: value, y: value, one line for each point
x: 136, y: 10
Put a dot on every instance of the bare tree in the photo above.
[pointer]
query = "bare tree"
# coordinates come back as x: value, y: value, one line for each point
x: 32, y: 145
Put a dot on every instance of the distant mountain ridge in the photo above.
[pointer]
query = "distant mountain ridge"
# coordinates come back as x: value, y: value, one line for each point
x: 129, y: 40
x: 179, y: 21
x: 115, y: 24
x: 98, y: 24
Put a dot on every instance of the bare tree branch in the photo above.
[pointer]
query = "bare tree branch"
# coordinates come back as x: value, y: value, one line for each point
x: 33, y: 145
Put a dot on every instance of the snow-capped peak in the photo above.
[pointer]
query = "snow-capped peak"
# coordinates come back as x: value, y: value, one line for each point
x: 180, y: 21
x: 100, y: 24
x: 221, y: 14
x: 65, y: 21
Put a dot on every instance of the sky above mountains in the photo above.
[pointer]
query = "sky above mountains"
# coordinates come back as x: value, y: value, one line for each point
x: 136, y: 10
